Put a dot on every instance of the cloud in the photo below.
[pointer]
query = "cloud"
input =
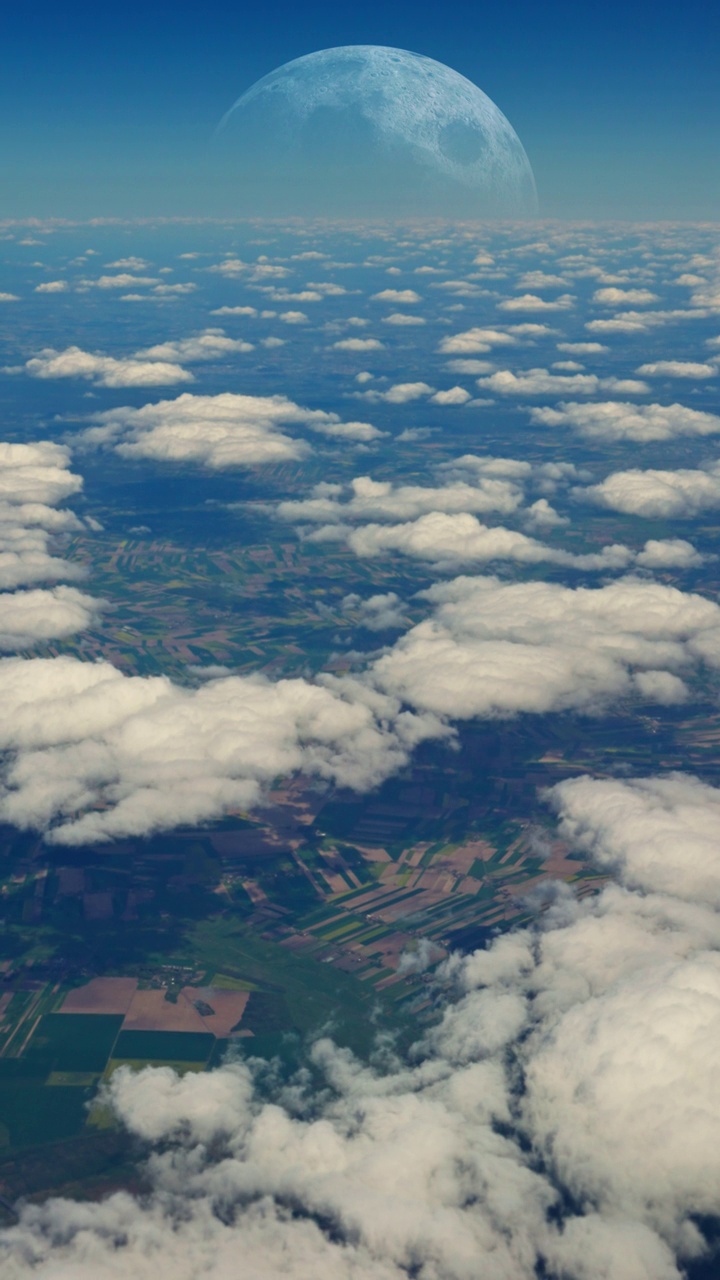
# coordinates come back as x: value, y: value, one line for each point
x: 531, y: 330
x: 52, y: 286
x: 541, y: 382
x: 377, y: 1180
x: 404, y: 297
x: 453, y: 395
x: 33, y: 479
x: 105, y: 371
x: 497, y: 649
x: 634, y: 829
x: 582, y: 348
x: 128, y: 264
x: 400, y: 318
x: 29, y: 617
x: 416, y: 433
x: 541, y: 280
x: 476, y: 341
x: 231, y: 267
x: 669, y: 553
x: 378, y: 613
x: 122, y: 281
x: 460, y: 288
x: 286, y: 295
x: 400, y: 393
x: 560, y: 1114
x: 614, y: 420
x: 382, y: 500
x: 220, y: 431
x: 102, y: 754
x: 164, y: 291
x: 211, y: 344
x: 707, y: 294
x: 328, y: 288
x: 362, y: 432
x: 531, y: 302
x: 470, y: 366
x: 234, y: 311
x: 677, y: 369
x: 628, y: 1121
x: 657, y: 494
x: 460, y: 538
x: 293, y: 317
x: 25, y: 559
x: 474, y: 465
x: 540, y: 515
x: 36, y: 473
x: 9, y: 297
x: 255, y: 271
x: 624, y: 297
x: 450, y: 540
x: 643, y: 321
x: 471, y: 483
x: 358, y: 344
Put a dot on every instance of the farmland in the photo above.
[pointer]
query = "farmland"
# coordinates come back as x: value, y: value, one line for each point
x: 324, y: 911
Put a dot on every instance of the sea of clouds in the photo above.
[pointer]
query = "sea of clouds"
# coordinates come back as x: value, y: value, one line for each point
x: 559, y: 1117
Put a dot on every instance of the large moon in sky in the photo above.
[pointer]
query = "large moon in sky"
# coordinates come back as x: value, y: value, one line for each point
x: 372, y: 130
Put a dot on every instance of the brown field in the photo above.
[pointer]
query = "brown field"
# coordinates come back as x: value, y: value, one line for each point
x: 229, y: 1007
x: 245, y: 843
x: 98, y: 906
x: 101, y: 995
x: 71, y: 881
x: 465, y: 855
x: 389, y: 949
x: 150, y: 1011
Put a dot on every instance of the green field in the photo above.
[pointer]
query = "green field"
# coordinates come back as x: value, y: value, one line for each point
x: 164, y: 1046
x: 32, y: 1112
x: 74, y: 1041
x: 314, y: 995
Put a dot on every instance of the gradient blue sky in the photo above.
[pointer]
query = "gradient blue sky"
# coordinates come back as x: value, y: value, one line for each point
x: 107, y: 109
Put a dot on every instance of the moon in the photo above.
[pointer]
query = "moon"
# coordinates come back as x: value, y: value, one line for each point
x: 375, y: 130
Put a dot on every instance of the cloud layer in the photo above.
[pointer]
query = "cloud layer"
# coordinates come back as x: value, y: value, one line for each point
x: 613, y: 420
x: 33, y: 479
x: 560, y: 1113
x: 153, y: 754
x: 219, y: 431
x: 496, y: 649
x: 657, y: 494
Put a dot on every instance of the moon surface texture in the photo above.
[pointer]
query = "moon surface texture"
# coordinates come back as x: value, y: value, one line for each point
x: 365, y: 129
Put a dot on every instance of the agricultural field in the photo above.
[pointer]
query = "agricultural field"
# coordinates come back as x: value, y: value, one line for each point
x: 320, y: 912
x: 324, y: 910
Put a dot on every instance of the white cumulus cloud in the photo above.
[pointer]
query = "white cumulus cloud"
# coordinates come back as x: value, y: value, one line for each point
x: 105, y: 371
x: 226, y: 430
x: 614, y: 420
x: 657, y: 494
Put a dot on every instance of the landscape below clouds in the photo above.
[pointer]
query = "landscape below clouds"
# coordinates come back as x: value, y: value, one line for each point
x: 220, y: 582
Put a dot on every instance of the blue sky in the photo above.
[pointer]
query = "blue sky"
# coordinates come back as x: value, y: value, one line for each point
x: 107, y: 109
